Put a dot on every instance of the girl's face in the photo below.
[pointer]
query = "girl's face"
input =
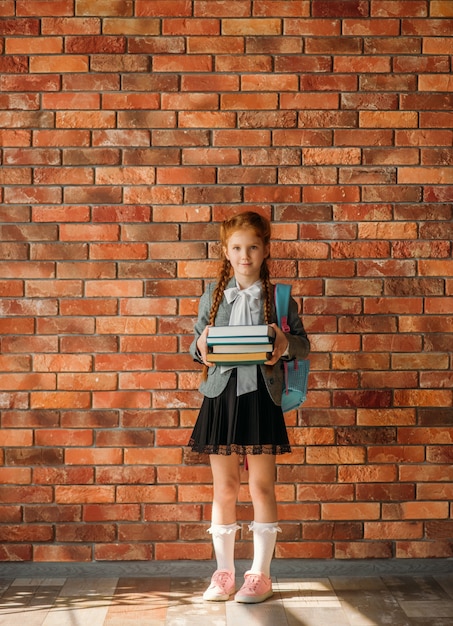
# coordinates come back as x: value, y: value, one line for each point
x: 246, y: 252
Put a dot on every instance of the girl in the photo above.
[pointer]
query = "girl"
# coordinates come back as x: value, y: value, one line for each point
x: 241, y: 413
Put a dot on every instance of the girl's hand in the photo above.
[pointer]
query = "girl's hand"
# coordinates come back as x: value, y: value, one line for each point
x: 202, y: 346
x: 280, y: 345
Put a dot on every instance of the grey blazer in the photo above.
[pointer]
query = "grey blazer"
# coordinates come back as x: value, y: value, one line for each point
x: 298, y: 348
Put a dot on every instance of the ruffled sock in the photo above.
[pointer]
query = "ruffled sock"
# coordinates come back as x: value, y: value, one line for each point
x: 223, y: 539
x: 264, y: 539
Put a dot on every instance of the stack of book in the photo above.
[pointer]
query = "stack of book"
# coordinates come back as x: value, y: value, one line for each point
x: 242, y: 345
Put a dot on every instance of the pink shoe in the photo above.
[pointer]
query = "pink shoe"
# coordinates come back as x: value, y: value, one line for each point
x: 256, y: 588
x: 222, y: 586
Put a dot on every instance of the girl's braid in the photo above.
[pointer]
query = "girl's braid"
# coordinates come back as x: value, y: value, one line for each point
x: 220, y: 288
x: 217, y: 299
x: 267, y: 287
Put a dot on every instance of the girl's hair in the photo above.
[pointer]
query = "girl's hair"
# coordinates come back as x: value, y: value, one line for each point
x: 262, y: 228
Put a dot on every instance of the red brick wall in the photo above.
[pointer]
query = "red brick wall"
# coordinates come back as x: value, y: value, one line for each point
x: 128, y: 130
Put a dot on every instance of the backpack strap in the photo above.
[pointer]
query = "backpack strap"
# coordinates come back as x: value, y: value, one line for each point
x: 282, y: 294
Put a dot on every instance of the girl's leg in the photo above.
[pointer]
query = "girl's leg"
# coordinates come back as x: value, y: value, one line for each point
x: 262, y: 487
x: 265, y: 525
x: 226, y: 481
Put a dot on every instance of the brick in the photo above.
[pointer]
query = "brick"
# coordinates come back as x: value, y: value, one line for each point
x: 27, y: 381
x: 156, y: 45
x: 94, y: 269
x: 15, y: 137
x: 331, y: 194
x: 90, y: 82
x: 59, y: 400
x: 16, y: 476
x: 11, y: 288
x: 432, y: 549
x: 30, y: 83
x: 61, y: 138
x: 172, y: 8
x: 71, y: 101
x: 31, y: 157
x: 33, y: 45
x: 40, y: 288
x: 66, y: 553
x: 365, y: 550
x: 7, y: 8
x: 433, y: 27
x: 22, y: 269
x: 309, y: 101
x: 345, y: 511
x: 340, y: 9
x: 215, y: 45
x: 33, y: 533
x: 95, y: 44
x: 146, y: 119
x: 369, y: 119
x: 441, y: 8
x: 104, y: 7
x: 119, y: 63
x: 130, y: 101
x: 58, y: 64
x: 370, y: 64
x: 92, y: 194
x: 38, y: 344
x: 15, y: 364
x: 249, y: 63
x: 25, y: 494
x: 41, y: 8
x: 123, y: 399
x: 195, y: 63
x: 437, y: 45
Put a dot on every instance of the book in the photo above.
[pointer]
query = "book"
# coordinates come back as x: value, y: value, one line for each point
x: 256, y: 330
x: 250, y: 358
x: 240, y: 348
x: 237, y: 341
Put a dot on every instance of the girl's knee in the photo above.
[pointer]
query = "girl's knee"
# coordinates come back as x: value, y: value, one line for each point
x: 261, y: 490
x: 227, y: 489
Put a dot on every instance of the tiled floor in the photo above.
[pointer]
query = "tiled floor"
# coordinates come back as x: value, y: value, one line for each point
x: 391, y: 600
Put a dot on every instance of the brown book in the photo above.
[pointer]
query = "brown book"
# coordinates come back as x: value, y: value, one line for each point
x: 249, y: 358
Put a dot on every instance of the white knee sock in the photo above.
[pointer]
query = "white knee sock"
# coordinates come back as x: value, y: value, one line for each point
x: 264, y: 539
x: 223, y: 538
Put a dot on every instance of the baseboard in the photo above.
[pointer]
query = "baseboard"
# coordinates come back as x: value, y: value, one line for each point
x: 281, y: 568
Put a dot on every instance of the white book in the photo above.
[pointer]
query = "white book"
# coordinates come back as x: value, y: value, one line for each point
x: 256, y: 330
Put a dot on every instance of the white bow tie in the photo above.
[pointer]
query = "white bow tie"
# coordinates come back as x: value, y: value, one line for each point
x: 246, y: 303
x: 245, y: 311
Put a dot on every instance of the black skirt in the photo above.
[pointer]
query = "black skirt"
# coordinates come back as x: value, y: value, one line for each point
x: 246, y: 424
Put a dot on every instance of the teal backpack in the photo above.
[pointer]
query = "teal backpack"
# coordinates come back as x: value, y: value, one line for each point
x: 296, y: 371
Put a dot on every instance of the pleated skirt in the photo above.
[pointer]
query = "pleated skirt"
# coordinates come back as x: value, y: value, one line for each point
x: 246, y: 424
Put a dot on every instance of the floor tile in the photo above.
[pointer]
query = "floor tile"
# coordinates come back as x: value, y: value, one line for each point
x: 139, y: 601
x: 446, y: 582
x: 428, y: 609
x: 415, y: 588
x: 268, y: 613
